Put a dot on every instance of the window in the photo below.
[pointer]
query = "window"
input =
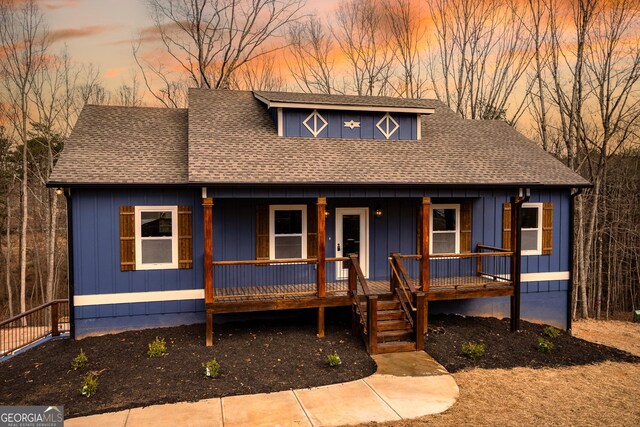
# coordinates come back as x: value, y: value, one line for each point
x: 156, y: 236
x: 445, y: 229
x: 287, y: 231
x: 531, y: 229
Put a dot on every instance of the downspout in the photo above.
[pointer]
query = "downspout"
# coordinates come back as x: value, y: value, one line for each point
x: 572, y: 202
x: 70, y: 264
x: 516, y: 207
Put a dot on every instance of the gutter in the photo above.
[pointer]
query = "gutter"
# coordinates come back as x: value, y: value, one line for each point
x: 70, y: 264
x: 572, y: 202
x: 524, y: 194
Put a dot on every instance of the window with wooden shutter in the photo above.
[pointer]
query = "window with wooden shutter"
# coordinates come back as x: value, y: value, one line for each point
x: 506, y: 226
x: 537, y: 228
x: 547, y: 228
x: 127, y: 238
x: 312, y: 231
x: 465, y: 227
x: 262, y: 232
x: 185, y: 237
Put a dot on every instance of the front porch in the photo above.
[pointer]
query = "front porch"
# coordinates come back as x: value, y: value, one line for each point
x: 390, y: 305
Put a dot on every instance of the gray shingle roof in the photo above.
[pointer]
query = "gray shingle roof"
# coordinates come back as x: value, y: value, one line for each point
x: 228, y: 137
x: 125, y: 145
x: 353, y: 100
x: 232, y: 140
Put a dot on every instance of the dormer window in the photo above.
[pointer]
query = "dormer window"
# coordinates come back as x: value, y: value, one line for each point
x: 315, y: 123
x: 387, y: 125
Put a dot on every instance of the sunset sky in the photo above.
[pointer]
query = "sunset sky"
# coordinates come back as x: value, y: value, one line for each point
x: 102, y: 32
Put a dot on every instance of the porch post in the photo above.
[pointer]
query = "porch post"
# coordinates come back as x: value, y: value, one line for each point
x: 207, y: 208
x: 516, y: 247
x: 321, y: 271
x: 425, y: 211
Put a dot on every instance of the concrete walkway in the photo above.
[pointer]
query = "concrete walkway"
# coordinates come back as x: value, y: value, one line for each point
x: 405, y: 385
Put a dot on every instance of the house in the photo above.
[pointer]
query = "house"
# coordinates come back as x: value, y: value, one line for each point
x: 251, y: 201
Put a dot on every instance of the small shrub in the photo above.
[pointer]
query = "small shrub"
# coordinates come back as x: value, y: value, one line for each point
x: 333, y: 360
x: 211, y: 368
x: 551, y: 332
x: 80, y: 361
x: 89, y: 385
x: 544, y: 345
x: 157, y: 348
x: 473, y: 351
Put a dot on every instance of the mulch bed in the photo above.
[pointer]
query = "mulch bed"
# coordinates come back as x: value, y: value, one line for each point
x: 255, y: 356
x: 503, y: 349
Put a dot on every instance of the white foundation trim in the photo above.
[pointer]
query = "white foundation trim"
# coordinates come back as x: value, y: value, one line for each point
x: 543, y: 277
x: 191, y: 294
x: 133, y: 297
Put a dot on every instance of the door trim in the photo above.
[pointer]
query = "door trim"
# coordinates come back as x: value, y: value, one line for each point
x: 364, y: 237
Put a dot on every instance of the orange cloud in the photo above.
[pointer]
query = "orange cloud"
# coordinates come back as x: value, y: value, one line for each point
x: 73, y: 33
x: 60, y: 4
x: 115, y: 72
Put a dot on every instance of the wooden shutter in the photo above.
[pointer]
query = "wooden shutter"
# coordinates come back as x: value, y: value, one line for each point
x: 312, y: 231
x: 547, y: 228
x: 262, y: 232
x: 185, y: 238
x: 506, y: 225
x: 127, y: 238
x: 465, y: 227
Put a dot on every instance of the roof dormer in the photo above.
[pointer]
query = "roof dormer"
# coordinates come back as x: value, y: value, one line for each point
x: 353, y: 117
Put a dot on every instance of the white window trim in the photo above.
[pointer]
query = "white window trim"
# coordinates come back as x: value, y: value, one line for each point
x: 538, y: 251
x: 272, y: 228
x: 139, y: 238
x: 457, y: 230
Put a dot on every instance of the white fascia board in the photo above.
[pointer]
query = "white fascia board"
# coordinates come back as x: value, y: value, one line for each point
x: 343, y: 107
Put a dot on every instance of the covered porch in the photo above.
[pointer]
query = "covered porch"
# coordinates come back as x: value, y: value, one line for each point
x: 389, y: 295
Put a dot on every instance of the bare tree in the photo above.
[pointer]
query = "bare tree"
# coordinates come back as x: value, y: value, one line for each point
x: 361, y: 35
x: 259, y: 74
x: 210, y: 40
x: 536, y: 20
x: 408, y: 33
x: 23, y: 35
x: 7, y: 182
x: 129, y: 94
x: 312, y: 63
x: 481, y: 53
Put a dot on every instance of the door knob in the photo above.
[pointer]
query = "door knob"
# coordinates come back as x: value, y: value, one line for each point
x: 338, y: 249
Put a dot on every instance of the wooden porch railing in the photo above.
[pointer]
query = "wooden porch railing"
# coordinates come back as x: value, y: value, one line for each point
x: 412, y: 300
x: 488, y: 265
x: 51, y: 318
x: 273, y: 278
x: 364, y: 302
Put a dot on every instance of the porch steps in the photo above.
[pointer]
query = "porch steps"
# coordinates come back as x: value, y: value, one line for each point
x: 394, y: 333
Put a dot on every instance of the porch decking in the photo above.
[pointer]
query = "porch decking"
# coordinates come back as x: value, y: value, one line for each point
x: 445, y: 288
x: 461, y: 285
x: 390, y: 313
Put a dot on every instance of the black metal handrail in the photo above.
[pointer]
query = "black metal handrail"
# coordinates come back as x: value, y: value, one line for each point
x: 48, y: 319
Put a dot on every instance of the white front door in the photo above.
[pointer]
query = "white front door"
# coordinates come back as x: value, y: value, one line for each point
x: 352, y: 237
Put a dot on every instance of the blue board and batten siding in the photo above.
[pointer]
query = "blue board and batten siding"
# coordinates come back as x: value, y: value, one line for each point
x: 97, y: 257
x: 96, y: 251
x: 293, y: 124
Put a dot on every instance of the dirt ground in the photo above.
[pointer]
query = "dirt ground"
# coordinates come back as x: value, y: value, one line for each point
x: 592, y: 395
x: 255, y: 357
x: 505, y: 349
x: 596, y: 395
x: 615, y: 333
